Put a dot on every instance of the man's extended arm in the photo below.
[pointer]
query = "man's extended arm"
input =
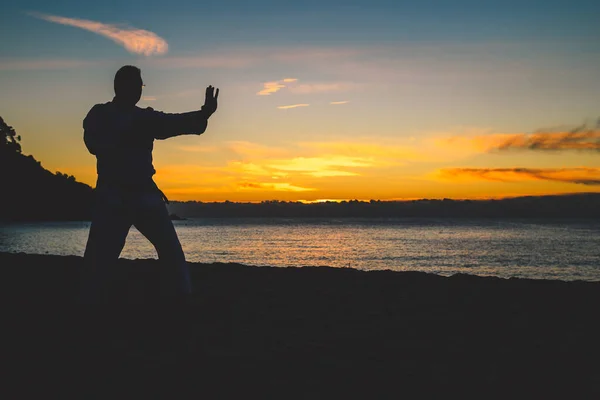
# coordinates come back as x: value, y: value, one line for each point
x: 165, y: 125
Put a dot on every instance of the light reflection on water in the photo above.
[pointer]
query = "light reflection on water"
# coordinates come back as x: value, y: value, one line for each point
x: 551, y: 249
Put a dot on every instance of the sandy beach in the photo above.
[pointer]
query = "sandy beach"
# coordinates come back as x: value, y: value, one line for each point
x: 300, y: 333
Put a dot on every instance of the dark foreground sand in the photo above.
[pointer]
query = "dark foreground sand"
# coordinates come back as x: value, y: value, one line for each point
x: 300, y: 333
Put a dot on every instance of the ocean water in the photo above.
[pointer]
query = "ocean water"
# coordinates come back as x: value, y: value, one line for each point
x: 539, y: 249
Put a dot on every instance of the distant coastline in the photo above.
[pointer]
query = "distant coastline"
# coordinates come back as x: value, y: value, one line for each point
x: 585, y: 205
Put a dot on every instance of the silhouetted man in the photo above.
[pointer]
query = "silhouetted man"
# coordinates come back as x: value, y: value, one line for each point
x: 121, y: 136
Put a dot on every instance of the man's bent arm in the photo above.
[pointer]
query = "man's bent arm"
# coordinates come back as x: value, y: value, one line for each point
x: 166, y: 125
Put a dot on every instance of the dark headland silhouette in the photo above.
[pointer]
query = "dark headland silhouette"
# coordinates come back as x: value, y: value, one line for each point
x: 32, y: 193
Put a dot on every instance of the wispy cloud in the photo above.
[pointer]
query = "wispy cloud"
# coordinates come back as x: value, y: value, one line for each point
x: 270, y: 88
x: 339, y: 102
x: 138, y: 41
x: 581, y: 176
x: 148, y: 98
x: 292, y: 106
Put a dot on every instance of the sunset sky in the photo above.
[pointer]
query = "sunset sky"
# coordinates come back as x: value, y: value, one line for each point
x: 363, y: 99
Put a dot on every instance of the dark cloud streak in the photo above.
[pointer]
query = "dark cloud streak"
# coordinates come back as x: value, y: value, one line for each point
x: 581, y: 138
x: 580, y: 176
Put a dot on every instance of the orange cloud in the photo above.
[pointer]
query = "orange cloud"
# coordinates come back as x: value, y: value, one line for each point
x: 270, y: 88
x: 277, y: 187
x: 136, y: 41
x: 250, y: 149
x: 183, y: 181
x: 292, y: 106
x: 391, y: 153
x: 249, y: 169
x: 581, y: 176
x: 198, y: 149
x: 339, y: 102
x: 275, y: 86
x: 192, y: 175
x: 319, y: 167
x: 324, y: 166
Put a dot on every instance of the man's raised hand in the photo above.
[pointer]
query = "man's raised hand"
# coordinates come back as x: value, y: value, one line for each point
x: 210, y: 101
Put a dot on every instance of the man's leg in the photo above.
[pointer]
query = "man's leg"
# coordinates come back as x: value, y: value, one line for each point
x: 153, y: 221
x: 110, y: 225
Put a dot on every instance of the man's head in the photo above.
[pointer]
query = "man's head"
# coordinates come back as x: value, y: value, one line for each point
x: 128, y: 84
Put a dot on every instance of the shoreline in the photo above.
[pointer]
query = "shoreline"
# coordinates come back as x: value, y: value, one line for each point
x: 310, y: 332
x: 526, y: 273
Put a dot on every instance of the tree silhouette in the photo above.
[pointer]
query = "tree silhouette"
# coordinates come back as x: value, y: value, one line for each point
x: 33, y: 192
x: 9, y: 141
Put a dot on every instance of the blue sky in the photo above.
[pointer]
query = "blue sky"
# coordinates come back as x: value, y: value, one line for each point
x: 191, y: 25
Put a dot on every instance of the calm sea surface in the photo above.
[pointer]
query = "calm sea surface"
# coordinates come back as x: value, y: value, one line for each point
x: 547, y: 249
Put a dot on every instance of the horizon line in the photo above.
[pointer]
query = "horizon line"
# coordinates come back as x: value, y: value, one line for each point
x: 397, y: 200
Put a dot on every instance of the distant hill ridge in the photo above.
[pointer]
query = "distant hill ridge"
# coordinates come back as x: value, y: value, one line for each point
x: 585, y: 205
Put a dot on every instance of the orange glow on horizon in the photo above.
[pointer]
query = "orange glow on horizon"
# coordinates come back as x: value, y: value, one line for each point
x: 434, y: 166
